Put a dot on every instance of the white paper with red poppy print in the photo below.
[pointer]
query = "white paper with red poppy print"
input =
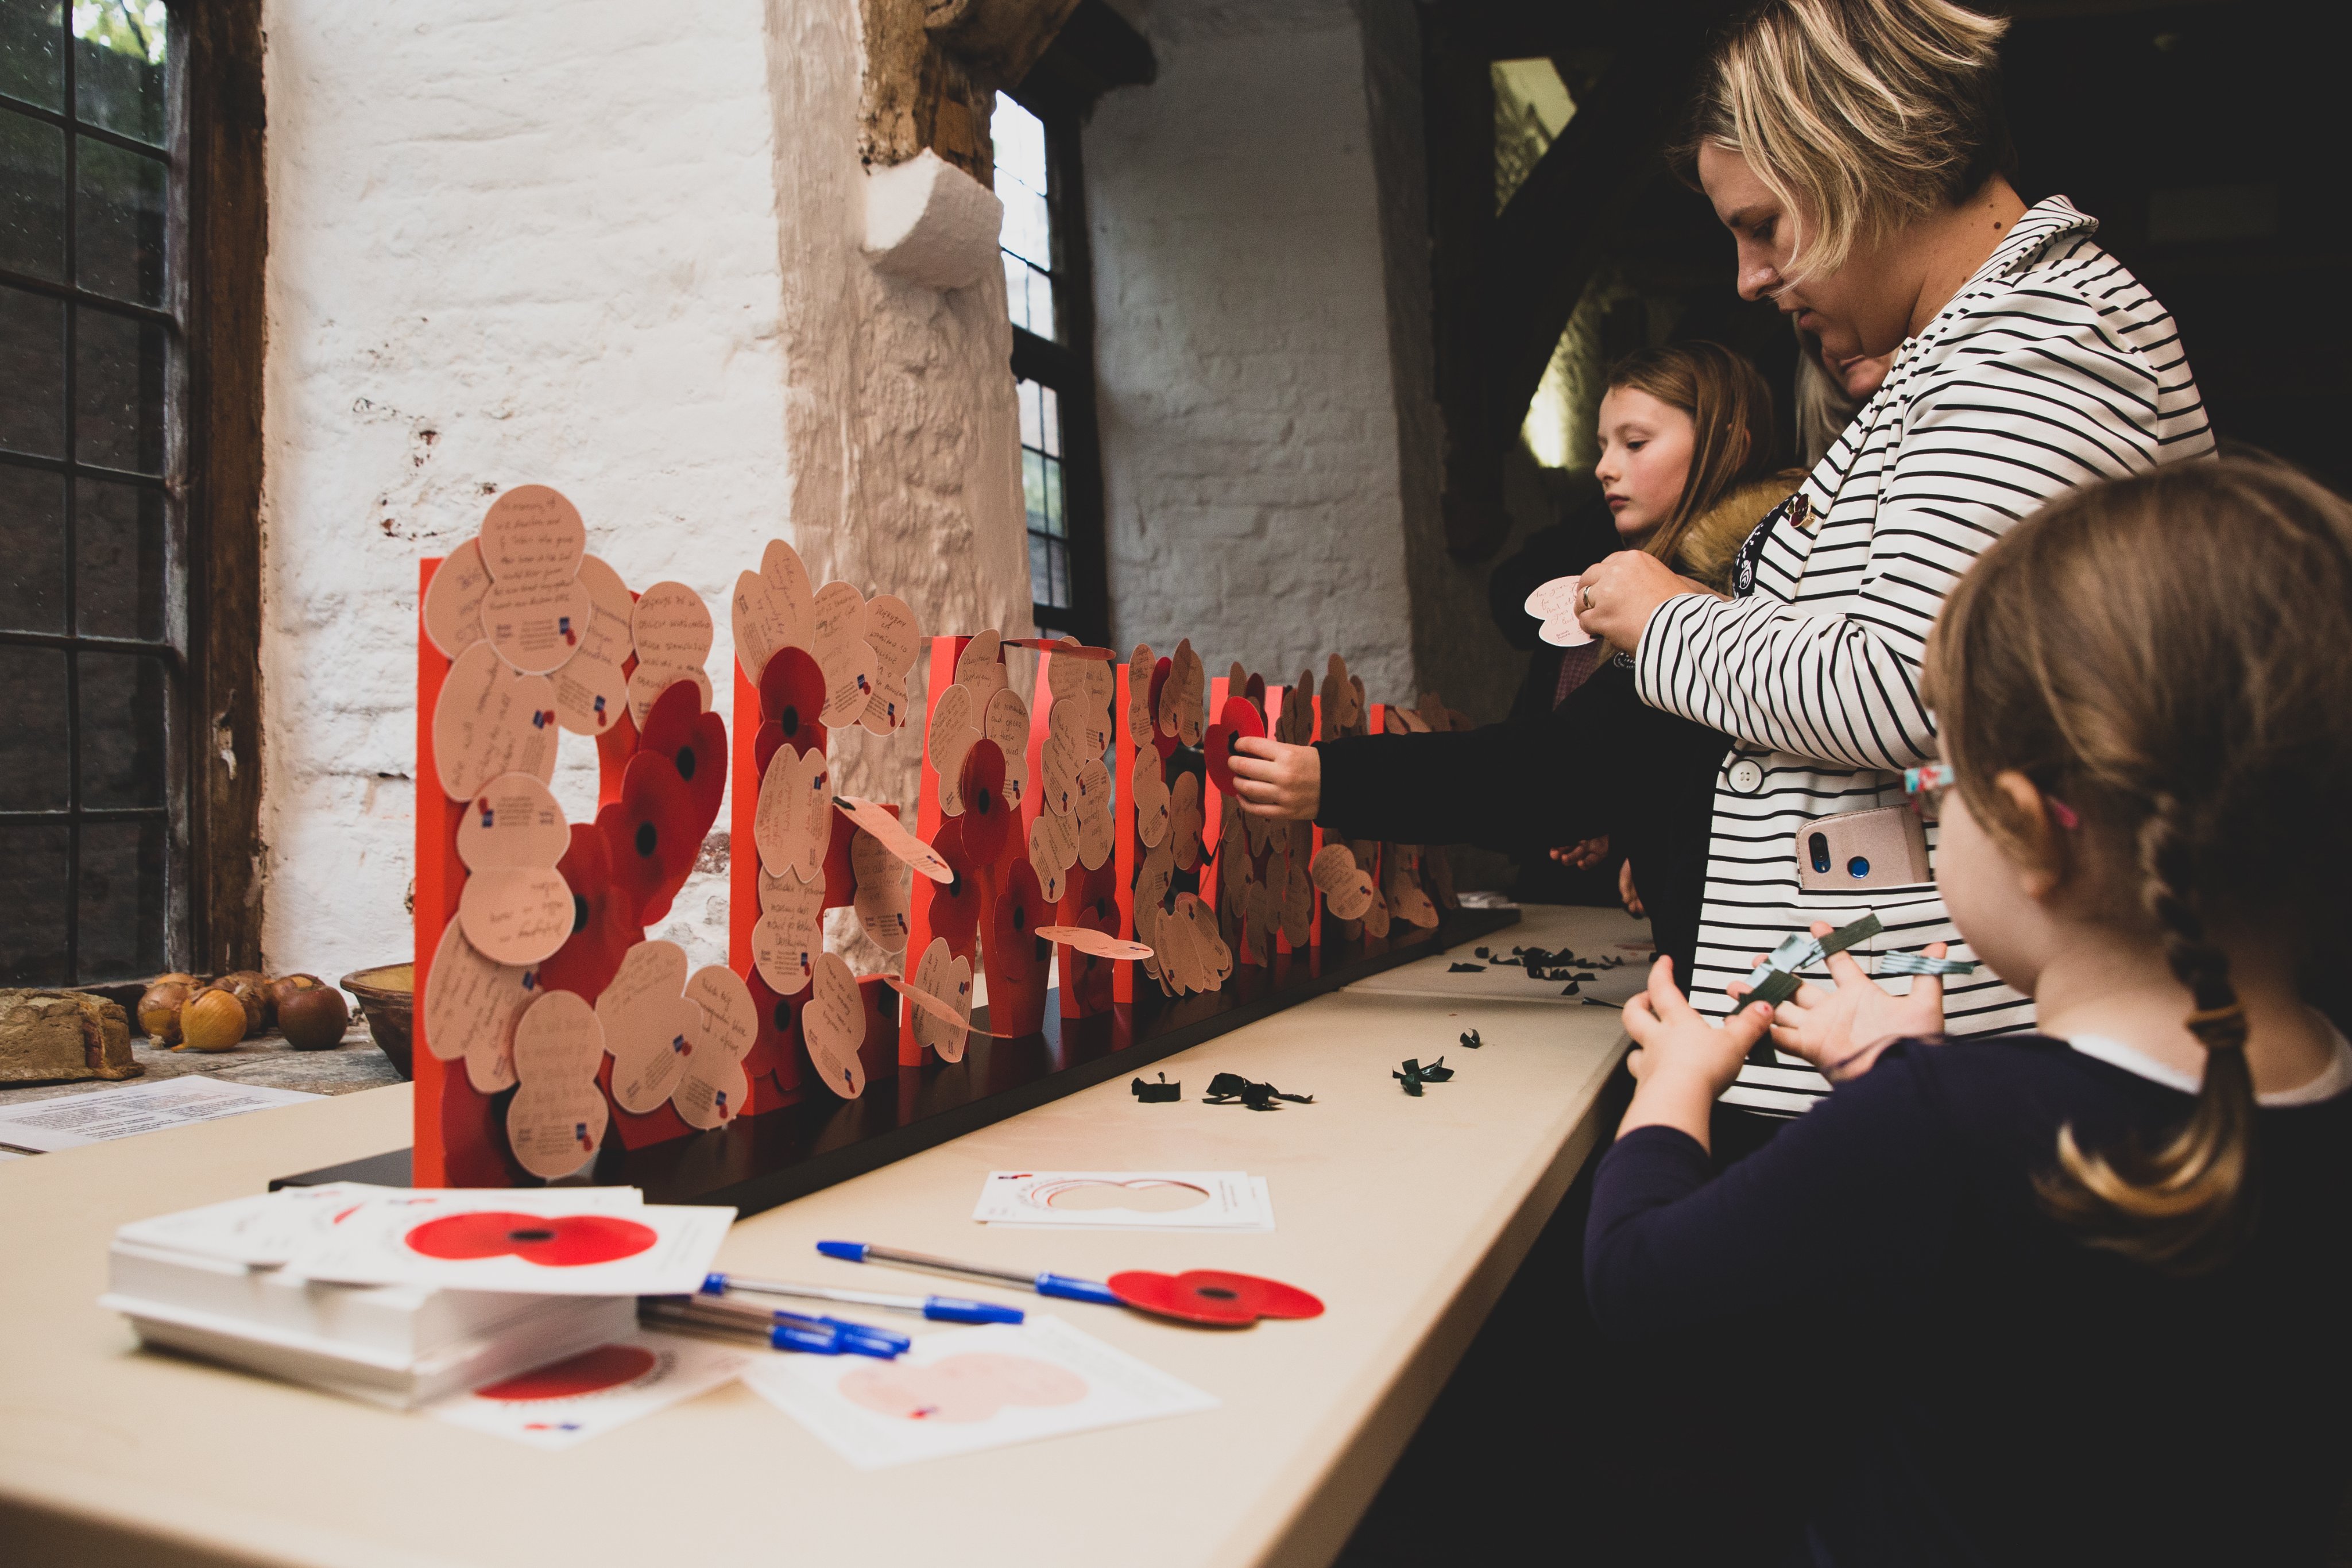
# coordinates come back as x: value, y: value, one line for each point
x: 551, y: 1241
x: 963, y: 1390
x: 610, y: 1385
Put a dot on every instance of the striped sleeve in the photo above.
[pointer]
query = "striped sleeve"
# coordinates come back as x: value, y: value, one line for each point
x: 2036, y: 403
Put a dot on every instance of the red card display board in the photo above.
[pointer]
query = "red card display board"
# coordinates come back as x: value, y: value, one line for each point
x: 795, y: 1129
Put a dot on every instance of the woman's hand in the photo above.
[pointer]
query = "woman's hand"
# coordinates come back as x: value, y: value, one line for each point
x: 1841, y: 1032
x: 1618, y: 596
x: 1582, y: 853
x: 1681, y: 1061
x: 1277, y: 780
x: 1626, y: 893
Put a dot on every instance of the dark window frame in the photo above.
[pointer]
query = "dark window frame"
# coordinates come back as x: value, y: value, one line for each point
x: 1065, y: 364
x: 212, y: 314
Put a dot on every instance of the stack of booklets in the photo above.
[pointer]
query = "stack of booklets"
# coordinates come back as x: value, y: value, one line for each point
x: 401, y: 1296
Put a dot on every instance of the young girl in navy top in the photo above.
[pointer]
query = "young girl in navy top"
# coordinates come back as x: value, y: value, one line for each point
x: 2078, y: 1296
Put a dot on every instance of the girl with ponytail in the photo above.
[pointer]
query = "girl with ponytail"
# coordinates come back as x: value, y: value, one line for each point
x: 2081, y: 1294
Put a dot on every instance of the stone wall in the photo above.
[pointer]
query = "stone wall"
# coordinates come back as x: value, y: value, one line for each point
x: 611, y: 248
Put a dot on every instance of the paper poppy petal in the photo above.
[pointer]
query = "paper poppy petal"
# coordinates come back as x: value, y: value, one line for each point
x: 955, y: 906
x: 1018, y: 962
x: 777, y: 1048
x: 792, y: 696
x: 988, y: 817
x: 649, y: 840
x: 601, y: 931
x: 1237, y: 720
x: 696, y: 743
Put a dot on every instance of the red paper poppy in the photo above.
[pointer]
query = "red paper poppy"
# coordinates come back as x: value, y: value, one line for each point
x: 1018, y: 962
x: 792, y: 697
x: 600, y: 929
x: 777, y: 1048
x: 954, y: 906
x: 1235, y: 721
x: 649, y: 840
x: 766, y: 741
x: 696, y: 743
x: 552, y: 1241
x: 1213, y: 1297
x: 988, y: 817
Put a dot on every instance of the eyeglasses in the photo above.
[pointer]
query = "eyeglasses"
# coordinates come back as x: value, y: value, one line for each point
x: 1927, y: 783
x: 1925, y: 786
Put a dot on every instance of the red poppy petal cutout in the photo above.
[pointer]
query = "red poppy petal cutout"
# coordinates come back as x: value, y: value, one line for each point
x: 696, y: 743
x: 650, y: 838
x: 1018, y: 962
x: 600, y: 929
x: 792, y: 696
x: 590, y: 1372
x: 1212, y: 1296
x: 552, y: 1241
x: 988, y: 818
x: 955, y: 905
x: 1235, y: 721
x: 776, y: 1049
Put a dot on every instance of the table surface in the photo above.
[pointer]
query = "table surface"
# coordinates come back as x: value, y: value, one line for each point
x: 1407, y: 1215
x: 267, y: 1059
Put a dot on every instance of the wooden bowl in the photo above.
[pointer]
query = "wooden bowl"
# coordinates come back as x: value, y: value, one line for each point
x: 387, y: 996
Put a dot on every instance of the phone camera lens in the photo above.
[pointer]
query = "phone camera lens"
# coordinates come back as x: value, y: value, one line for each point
x: 1817, y: 846
x: 1858, y: 867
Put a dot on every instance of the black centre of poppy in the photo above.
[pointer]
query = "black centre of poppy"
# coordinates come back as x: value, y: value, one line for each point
x: 788, y: 721
x: 1216, y: 1293
x: 782, y: 1017
x: 579, y: 913
x: 686, y: 763
x: 980, y: 800
x: 1020, y: 918
x: 955, y: 888
x: 646, y: 839
x: 531, y: 1233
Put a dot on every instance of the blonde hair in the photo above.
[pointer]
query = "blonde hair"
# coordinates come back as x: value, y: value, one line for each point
x: 1859, y: 115
x: 2165, y: 653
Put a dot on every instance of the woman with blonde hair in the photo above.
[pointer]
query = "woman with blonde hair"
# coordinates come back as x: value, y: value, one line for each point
x: 1856, y: 149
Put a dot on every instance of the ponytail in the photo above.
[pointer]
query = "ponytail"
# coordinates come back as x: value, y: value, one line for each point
x: 2183, y: 1208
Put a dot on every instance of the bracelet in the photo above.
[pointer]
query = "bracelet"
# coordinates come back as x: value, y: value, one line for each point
x: 1920, y: 964
x: 1775, y: 978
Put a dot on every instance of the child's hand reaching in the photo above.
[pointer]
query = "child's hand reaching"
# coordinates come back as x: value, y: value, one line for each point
x: 1682, y: 1062
x: 1841, y: 1032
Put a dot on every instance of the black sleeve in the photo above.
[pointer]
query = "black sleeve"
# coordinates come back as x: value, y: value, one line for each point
x: 1519, y: 787
x: 1858, y: 1193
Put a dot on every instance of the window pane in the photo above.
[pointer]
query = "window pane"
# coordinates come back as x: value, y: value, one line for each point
x: 32, y: 373
x: 1041, y: 573
x: 1038, y: 290
x: 118, y: 561
x: 1059, y: 554
x: 121, y: 899
x: 32, y: 729
x: 32, y: 196
x: 119, y: 222
x: 1020, y: 137
x: 119, y: 65
x: 31, y: 67
x: 34, y: 918
x: 1054, y: 523
x: 1032, y: 487
x: 1028, y: 230
x: 1017, y: 290
x: 121, y: 732
x: 118, y: 391
x: 1032, y: 421
x: 32, y: 550
x: 1049, y: 402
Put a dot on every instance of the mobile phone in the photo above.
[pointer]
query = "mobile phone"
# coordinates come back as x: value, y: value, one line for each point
x: 1883, y: 848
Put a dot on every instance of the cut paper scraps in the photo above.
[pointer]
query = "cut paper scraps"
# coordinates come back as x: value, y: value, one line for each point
x: 968, y: 1389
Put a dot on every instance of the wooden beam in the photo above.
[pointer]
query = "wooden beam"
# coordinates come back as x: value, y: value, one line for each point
x: 1559, y: 224
x: 224, y: 242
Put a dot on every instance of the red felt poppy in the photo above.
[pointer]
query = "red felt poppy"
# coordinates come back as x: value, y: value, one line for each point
x: 792, y: 696
x: 1212, y: 1296
x: 696, y: 743
x: 989, y: 819
x: 1018, y: 962
x: 776, y: 1049
x: 600, y: 929
x: 954, y: 906
x: 1236, y: 720
x: 649, y: 840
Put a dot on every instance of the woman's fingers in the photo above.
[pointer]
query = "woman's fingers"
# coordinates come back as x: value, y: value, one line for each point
x: 1664, y: 997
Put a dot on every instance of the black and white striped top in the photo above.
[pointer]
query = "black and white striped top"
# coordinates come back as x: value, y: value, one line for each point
x: 2051, y: 367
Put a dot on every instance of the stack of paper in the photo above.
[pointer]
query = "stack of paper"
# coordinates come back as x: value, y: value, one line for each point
x: 1126, y: 1200
x: 399, y: 1296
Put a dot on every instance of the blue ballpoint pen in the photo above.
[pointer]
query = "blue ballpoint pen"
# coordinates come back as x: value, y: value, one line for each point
x: 1045, y: 1284
x: 815, y: 1339
x: 939, y: 1308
